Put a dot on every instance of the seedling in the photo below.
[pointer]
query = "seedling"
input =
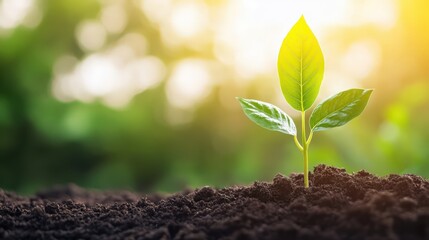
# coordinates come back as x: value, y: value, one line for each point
x: 301, y: 66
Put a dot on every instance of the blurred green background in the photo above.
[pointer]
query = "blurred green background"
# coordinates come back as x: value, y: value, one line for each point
x: 139, y: 94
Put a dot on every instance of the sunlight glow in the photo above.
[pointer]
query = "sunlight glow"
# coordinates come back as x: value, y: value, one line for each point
x: 14, y: 12
x: 148, y: 72
x: 189, y: 83
x: 91, y: 35
x: 136, y: 42
x: 156, y: 10
x: 189, y: 19
x: 114, y: 18
x: 361, y: 58
x: 114, y: 77
x: 243, y: 36
x: 98, y: 75
x: 381, y: 13
x: 250, y: 33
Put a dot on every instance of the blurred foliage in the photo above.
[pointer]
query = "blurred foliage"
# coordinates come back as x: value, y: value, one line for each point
x: 150, y: 145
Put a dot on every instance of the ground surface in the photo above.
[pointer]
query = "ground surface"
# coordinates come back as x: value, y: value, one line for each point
x: 337, y: 206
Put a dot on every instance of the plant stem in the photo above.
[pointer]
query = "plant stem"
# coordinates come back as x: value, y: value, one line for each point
x: 305, y: 145
x: 297, y: 143
x: 305, y: 154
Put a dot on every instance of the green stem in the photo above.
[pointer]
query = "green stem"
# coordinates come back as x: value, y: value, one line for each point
x: 305, y: 154
x: 297, y: 143
x: 304, y: 149
x: 310, y: 137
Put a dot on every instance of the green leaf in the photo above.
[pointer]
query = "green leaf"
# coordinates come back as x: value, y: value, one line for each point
x: 300, y: 66
x: 268, y: 116
x: 339, y: 109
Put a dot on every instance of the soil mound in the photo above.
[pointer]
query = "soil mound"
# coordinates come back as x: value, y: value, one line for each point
x: 338, y: 205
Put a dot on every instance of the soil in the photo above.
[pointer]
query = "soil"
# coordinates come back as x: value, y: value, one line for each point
x: 338, y: 205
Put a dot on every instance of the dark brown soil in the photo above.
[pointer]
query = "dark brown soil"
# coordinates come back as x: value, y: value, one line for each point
x: 336, y: 206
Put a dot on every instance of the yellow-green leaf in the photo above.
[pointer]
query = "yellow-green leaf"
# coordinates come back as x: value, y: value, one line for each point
x: 300, y: 66
x: 339, y: 109
x: 268, y: 116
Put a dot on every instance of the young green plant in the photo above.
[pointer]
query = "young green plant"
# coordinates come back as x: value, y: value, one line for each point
x: 300, y: 68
